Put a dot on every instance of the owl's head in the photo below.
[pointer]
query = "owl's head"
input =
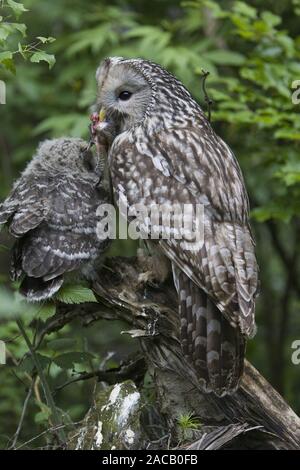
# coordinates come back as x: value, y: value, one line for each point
x: 123, y: 91
x: 132, y: 90
x: 65, y: 155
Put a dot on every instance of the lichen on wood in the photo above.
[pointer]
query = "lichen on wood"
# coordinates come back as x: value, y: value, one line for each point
x: 113, y: 422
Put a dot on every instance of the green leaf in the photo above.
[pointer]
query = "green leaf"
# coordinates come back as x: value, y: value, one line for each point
x: 224, y: 57
x: 289, y: 173
x: 150, y: 35
x: 18, y: 8
x: 75, y: 294
x: 245, y: 10
x: 6, y: 59
x: 271, y: 19
x: 27, y: 365
x: 5, y: 55
x: 44, y: 40
x: 262, y: 214
x: 73, y: 124
x: 22, y: 28
x: 46, y: 310
x: 214, y: 7
x: 5, y: 31
x: 288, y: 134
x: 9, y: 65
x: 43, y: 57
x: 44, y: 414
x: 94, y: 38
x: 68, y: 360
x: 188, y: 421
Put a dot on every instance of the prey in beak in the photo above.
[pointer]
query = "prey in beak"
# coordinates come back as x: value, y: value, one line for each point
x: 102, y: 131
x: 98, y: 122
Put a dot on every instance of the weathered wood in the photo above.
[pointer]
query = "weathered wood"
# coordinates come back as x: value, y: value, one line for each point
x: 113, y: 422
x: 256, y: 416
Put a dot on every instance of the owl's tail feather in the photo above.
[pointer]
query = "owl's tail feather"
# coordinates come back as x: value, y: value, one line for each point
x: 36, y: 289
x: 209, y: 342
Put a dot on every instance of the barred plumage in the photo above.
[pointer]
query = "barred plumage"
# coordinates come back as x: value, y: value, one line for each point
x: 52, y: 212
x: 167, y: 152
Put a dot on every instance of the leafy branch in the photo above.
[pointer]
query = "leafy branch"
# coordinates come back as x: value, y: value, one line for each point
x: 8, y: 33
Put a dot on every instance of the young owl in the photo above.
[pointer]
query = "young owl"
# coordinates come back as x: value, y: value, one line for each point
x: 51, y: 211
x: 166, y: 152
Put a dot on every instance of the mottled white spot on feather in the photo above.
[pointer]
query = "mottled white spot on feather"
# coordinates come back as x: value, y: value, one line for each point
x: 214, y: 326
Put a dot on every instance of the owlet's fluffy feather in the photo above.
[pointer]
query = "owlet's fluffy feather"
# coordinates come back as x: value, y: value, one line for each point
x: 166, y: 152
x: 51, y: 210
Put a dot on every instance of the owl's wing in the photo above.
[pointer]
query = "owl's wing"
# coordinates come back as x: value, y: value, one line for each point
x: 26, y: 206
x: 194, y: 166
x: 33, y: 288
x: 206, y: 167
x: 225, y: 266
x: 67, y: 237
x: 54, y: 219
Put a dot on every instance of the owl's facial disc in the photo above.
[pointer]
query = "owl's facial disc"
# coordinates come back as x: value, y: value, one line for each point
x: 123, y: 92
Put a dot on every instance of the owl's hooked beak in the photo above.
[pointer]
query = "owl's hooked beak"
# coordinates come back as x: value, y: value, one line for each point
x: 98, y: 122
x: 102, y: 114
x: 102, y: 130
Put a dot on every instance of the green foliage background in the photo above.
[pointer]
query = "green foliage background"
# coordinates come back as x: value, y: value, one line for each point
x: 49, y: 52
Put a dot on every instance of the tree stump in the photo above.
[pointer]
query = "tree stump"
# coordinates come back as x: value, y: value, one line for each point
x: 254, y: 417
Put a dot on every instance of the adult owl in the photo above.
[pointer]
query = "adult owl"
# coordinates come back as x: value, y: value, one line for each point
x: 51, y: 211
x: 166, y: 152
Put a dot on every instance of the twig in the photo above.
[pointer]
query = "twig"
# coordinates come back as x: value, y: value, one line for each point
x: 65, y: 315
x: 134, y: 370
x: 50, y: 402
x: 52, y: 429
x: 36, y: 390
x: 209, y: 102
x: 25, y: 405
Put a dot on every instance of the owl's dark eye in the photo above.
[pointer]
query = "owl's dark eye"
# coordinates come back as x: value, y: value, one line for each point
x: 124, y: 95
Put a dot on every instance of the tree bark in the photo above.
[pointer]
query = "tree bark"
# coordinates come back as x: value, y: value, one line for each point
x: 256, y: 416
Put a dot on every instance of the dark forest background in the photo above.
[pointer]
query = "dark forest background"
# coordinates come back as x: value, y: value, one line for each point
x: 49, y: 51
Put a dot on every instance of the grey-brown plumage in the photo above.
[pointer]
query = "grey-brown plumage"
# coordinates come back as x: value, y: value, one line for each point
x: 167, y: 152
x: 51, y: 210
